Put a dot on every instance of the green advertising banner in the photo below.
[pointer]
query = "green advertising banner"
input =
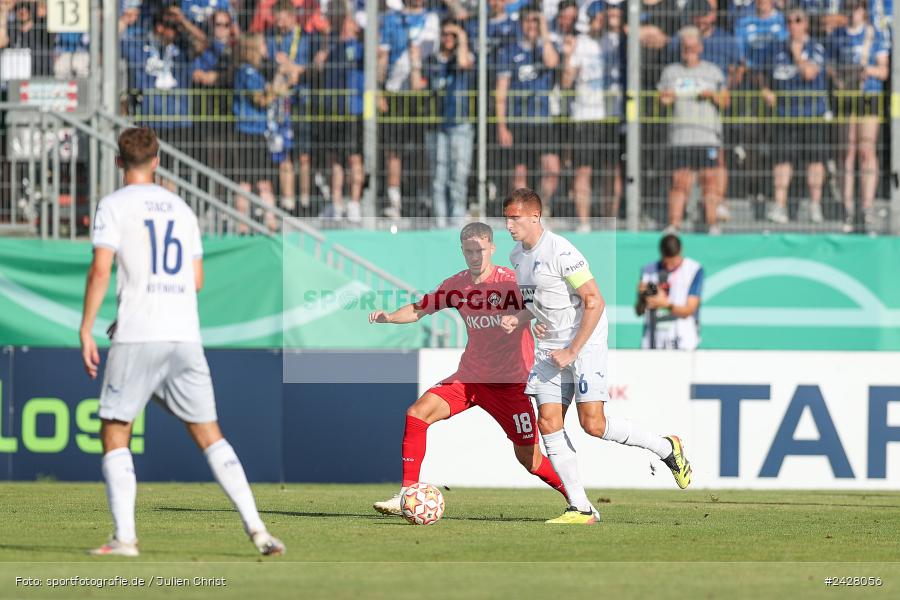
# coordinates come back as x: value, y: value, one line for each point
x: 787, y: 292
x: 245, y: 302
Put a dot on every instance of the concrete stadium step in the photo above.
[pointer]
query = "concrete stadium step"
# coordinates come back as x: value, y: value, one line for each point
x: 17, y: 230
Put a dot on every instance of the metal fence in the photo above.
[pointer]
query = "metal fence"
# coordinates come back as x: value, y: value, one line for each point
x: 719, y: 116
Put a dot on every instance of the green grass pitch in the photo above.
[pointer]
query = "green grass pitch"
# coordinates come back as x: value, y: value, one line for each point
x: 490, y: 544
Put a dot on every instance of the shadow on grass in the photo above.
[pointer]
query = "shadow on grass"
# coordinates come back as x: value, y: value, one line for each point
x: 151, y: 554
x: 366, y: 516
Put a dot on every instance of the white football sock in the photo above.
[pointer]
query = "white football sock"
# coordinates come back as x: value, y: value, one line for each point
x: 562, y: 456
x: 624, y: 431
x: 121, y: 492
x: 227, y: 469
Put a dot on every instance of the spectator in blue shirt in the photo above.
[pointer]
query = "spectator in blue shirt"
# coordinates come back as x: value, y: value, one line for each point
x: 289, y: 48
x: 525, y: 78
x: 759, y: 34
x: 448, y: 75
x: 799, y: 93
x: 262, y: 110
x: 881, y: 12
x: 502, y: 29
x: 338, y: 70
x: 860, y: 66
x: 214, y: 75
x: 160, y: 71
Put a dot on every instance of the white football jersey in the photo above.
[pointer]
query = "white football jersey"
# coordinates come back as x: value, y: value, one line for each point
x: 543, y: 273
x: 590, y: 85
x: 156, y: 238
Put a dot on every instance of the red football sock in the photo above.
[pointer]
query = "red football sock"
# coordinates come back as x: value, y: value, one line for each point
x: 413, y: 450
x: 548, y: 475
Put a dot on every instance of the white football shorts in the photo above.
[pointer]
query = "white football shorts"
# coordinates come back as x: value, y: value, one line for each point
x: 174, y: 374
x: 584, y: 380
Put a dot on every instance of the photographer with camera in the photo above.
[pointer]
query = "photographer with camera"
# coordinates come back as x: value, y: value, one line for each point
x: 669, y: 299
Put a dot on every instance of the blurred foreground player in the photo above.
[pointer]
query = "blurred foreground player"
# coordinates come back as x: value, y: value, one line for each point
x: 156, y: 348
x: 570, y: 360
x: 491, y: 371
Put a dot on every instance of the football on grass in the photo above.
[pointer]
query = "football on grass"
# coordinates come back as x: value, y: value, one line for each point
x: 422, y: 504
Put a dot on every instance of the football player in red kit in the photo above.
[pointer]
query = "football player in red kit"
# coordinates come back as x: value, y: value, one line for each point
x: 493, y: 368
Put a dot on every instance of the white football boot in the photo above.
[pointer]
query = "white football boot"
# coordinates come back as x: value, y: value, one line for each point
x: 116, y: 548
x: 268, y: 544
x: 390, y: 507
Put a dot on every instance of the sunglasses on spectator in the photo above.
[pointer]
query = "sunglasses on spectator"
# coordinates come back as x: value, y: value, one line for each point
x: 448, y: 32
x: 223, y: 24
x: 797, y: 20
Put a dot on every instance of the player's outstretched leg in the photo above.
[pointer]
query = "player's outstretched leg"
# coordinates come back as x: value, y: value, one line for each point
x: 540, y: 466
x: 428, y: 409
x: 562, y: 455
x: 121, y: 492
x: 227, y: 469
x: 413, y: 452
x: 622, y: 431
x: 561, y: 452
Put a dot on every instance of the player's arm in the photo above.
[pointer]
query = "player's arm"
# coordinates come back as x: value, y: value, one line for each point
x: 199, y: 277
x: 95, y: 290
x: 405, y: 314
x: 593, y: 303
x: 661, y: 299
x: 510, y: 323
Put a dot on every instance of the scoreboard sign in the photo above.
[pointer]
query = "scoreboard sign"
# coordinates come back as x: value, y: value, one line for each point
x: 24, y: 139
x: 72, y: 97
x: 68, y: 16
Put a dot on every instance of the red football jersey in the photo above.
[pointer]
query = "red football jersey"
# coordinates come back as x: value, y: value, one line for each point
x: 491, y: 354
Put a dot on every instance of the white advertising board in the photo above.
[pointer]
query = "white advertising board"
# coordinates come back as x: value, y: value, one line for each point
x: 762, y: 420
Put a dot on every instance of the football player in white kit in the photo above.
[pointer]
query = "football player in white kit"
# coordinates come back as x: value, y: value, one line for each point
x: 156, y: 349
x: 571, y: 355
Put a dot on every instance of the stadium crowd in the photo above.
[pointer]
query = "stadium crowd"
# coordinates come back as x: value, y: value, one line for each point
x: 739, y: 94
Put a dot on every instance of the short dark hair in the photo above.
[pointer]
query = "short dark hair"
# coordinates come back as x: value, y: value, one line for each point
x: 531, y: 8
x: 670, y: 245
x: 137, y: 147
x: 566, y: 4
x: 284, y: 6
x: 527, y: 196
x: 476, y: 230
x: 164, y: 17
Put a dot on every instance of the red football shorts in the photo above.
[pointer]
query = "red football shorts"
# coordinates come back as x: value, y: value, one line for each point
x: 507, y: 403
